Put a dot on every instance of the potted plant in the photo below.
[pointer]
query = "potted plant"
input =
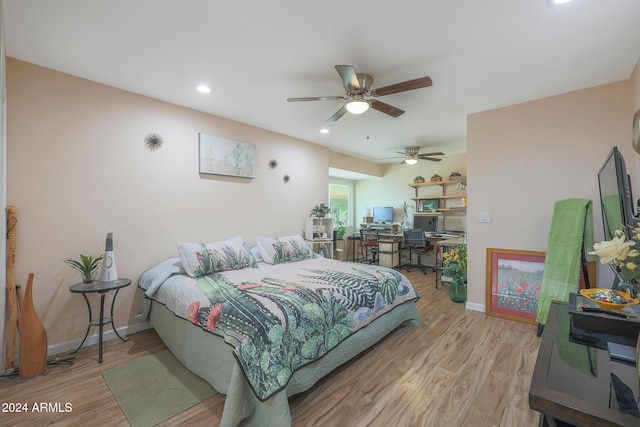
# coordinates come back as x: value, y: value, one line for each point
x: 405, y: 211
x: 320, y: 210
x: 455, y: 176
x: 418, y: 180
x: 368, y: 219
x: 454, y: 265
x: 339, y: 223
x: 86, y: 266
x: 436, y: 178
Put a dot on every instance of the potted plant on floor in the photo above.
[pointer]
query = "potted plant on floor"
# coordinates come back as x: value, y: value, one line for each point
x: 454, y: 265
x: 86, y: 266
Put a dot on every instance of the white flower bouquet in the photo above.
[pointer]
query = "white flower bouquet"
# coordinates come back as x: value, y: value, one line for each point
x: 621, y: 253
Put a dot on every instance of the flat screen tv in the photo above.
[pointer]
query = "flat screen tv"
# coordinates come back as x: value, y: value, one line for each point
x: 616, y: 198
x: 383, y: 215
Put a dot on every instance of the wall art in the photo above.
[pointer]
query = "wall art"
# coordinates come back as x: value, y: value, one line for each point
x: 221, y: 156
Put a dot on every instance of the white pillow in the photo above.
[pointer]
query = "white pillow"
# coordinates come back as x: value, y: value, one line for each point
x: 255, y: 251
x: 199, y: 259
x: 283, y: 249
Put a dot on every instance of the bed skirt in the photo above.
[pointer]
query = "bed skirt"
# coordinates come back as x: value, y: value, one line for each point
x: 209, y: 357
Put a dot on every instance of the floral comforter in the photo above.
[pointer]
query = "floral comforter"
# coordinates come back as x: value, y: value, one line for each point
x: 281, y: 317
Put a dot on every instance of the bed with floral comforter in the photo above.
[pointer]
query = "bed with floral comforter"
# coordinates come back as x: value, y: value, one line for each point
x: 264, y: 332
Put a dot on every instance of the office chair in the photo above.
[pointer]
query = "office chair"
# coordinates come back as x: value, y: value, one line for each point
x: 369, y: 243
x: 417, y: 243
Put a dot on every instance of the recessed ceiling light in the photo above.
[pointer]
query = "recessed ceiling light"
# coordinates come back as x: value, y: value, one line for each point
x: 559, y: 2
x: 203, y: 89
x: 324, y: 130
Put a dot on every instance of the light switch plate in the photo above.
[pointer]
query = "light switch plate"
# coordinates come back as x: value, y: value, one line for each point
x: 484, y: 217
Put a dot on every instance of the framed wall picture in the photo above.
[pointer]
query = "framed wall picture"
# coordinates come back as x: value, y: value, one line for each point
x: 429, y: 205
x: 221, y: 156
x: 514, y: 279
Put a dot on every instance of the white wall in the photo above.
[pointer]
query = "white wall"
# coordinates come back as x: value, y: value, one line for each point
x: 78, y: 168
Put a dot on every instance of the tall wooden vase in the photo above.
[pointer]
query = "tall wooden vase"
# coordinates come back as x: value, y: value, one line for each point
x: 33, y: 338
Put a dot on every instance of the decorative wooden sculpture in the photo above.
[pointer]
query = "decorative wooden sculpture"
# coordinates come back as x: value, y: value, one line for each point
x: 33, y: 337
x: 12, y: 293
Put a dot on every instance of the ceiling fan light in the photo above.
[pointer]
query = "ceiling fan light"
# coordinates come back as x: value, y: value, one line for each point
x: 411, y: 161
x: 356, y: 106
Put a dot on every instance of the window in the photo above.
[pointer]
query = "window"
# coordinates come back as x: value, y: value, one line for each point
x: 340, y: 203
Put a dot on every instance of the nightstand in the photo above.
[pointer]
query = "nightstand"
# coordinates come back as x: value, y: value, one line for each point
x: 102, y: 288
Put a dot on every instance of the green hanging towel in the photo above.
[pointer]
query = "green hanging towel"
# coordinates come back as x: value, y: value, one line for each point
x: 570, y: 234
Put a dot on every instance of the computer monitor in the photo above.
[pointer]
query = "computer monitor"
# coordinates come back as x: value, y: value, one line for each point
x: 383, y: 215
x: 428, y: 223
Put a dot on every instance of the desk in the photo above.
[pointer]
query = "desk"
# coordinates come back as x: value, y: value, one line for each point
x: 572, y: 382
x: 102, y: 288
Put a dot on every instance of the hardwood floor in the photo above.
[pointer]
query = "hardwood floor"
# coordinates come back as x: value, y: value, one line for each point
x: 458, y: 368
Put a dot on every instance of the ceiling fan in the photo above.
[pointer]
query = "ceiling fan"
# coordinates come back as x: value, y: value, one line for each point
x: 358, y: 90
x: 411, y: 155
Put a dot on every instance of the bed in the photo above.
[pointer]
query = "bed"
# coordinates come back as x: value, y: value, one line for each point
x: 263, y: 324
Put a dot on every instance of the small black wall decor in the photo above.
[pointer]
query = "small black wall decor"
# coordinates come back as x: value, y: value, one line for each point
x: 153, y: 141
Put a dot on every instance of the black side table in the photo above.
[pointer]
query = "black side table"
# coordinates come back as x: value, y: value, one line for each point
x: 102, y: 288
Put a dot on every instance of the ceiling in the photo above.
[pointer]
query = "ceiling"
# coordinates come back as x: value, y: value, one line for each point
x: 254, y: 55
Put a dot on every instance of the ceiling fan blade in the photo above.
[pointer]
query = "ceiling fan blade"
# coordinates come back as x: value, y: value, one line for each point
x: 389, y: 158
x: 386, y: 108
x: 433, y: 159
x: 349, y: 77
x: 318, y: 98
x: 404, y: 86
x: 341, y: 112
x: 430, y: 154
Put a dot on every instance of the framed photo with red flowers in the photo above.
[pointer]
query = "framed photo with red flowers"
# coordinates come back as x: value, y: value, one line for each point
x: 514, y: 279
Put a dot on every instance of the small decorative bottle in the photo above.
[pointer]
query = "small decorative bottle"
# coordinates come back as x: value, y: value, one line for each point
x: 108, y: 272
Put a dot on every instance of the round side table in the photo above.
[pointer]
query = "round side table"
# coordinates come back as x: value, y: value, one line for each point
x: 102, y: 288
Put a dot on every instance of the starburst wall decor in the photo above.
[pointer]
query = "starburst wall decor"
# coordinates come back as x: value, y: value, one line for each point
x: 153, y: 141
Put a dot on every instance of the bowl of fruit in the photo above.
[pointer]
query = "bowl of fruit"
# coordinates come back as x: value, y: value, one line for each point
x: 608, y: 298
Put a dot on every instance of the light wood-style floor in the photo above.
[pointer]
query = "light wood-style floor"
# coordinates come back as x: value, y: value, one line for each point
x: 458, y: 368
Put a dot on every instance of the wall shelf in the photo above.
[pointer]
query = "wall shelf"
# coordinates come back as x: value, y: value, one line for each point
x: 451, y: 200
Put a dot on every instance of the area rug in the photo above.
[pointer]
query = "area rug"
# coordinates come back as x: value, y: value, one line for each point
x: 154, y: 388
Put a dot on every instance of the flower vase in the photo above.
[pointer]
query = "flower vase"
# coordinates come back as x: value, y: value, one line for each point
x: 631, y: 287
x: 458, y: 290
x: 33, y: 337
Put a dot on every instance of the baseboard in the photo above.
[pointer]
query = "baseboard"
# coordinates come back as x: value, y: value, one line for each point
x: 68, y: 346
x: 475, y: 307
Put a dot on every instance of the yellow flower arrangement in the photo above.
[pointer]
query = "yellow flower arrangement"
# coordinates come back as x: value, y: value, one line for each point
x: 454, y: 263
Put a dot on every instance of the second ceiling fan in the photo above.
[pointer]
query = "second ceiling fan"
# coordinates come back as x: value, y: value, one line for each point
x: 412, y: 154
x: 358, y: 93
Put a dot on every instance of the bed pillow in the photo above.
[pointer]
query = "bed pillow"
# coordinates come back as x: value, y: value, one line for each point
x: 255, y: 251
x: 284, y: 249
x: 199, y: 259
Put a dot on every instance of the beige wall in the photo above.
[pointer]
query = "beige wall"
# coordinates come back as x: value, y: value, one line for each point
x: 78, y: 168
x: 342, y: 161
x: 524, y: 158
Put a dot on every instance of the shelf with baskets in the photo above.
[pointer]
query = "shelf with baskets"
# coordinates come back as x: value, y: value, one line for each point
x: 441, y: 196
